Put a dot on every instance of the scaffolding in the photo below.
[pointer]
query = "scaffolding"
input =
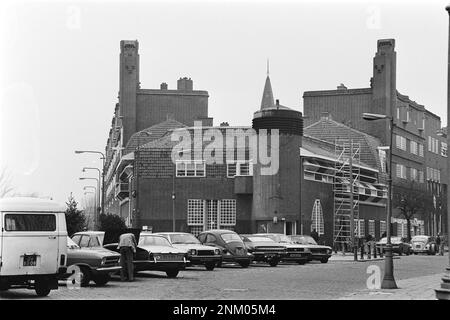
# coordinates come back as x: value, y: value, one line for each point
x: 346, y: 198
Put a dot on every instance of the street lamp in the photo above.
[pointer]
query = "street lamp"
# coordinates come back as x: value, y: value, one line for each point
x: 388, y: 279
x: 138, y: 156
x: 99, y: 188
x: 102, y: 177
x: 443, y: 293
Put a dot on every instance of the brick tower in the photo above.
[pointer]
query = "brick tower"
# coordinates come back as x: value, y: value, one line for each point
x: 276, y: 197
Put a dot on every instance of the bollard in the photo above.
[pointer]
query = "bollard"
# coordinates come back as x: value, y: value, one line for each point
x: 362, y: 252
x: 369, y: 249
x: 374, y: 251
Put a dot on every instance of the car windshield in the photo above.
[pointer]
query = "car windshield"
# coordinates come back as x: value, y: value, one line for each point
x: 304, y: 240
x: 419, y: 239
x: 153, y: 241
x: 259, y: 239
x: 71, y: 244
x: 183, y: 238
x: 285, y: 239
x: 230, y: 237
x: 396, y: 239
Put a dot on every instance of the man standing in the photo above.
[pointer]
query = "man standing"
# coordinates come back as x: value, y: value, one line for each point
x: 438, y: 243
x: 315, y: 235
x: 127, y: 247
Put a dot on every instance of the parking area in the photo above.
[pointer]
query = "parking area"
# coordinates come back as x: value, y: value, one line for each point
x: 313, y: 280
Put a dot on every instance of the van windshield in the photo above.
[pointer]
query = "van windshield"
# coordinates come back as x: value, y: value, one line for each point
x: 30, y: 222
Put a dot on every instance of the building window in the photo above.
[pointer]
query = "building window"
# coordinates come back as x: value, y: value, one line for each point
x: 420, y: 175
x: 433, y: 145
x: 400, y: 142
x: 420, y: 149
x: 360, y: 228
x: 382, y: 228
x: 401, y: 171
x: 239, y: 168
x: 413, y: 173
x: 317, y: 218
x: 190, y: 168
x: 443, y: 149
x: 398, y: 113
x: 372, y: 228
x: 227, y: 212
x: 413, y: 147
x: 195, y: 212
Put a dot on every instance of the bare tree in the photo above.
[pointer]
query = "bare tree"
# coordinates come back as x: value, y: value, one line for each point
x: 411, y: 202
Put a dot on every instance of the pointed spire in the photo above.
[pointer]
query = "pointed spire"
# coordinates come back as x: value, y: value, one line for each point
x: 267, y: 98
x: 267, y: 66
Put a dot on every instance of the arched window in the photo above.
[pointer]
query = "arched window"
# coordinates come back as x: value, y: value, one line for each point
x: 317, y: 218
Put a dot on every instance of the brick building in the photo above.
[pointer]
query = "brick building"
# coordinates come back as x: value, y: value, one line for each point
x: 147, y: 187
x: 420, y: 150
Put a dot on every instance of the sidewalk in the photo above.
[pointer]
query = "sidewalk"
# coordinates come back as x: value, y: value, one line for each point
x: 420, y: 288
x: 348, y: 257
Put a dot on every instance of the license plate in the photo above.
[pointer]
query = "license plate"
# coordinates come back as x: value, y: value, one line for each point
x: 270, y: 255
x: 29, y: 261
x: 296, y: 255
x: 418, y: 246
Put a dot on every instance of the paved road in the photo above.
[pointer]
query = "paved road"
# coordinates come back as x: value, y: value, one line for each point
x: 286, y: 281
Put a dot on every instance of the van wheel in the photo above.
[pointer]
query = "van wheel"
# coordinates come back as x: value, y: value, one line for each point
x: 172, y: 273
x: 42, y: 288
x: 102, y: 279
x: 4, y: 286
x: 210, y: 266
x: 85, y: 276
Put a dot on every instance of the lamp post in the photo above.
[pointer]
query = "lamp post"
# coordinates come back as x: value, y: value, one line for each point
x: 99, y: 187
x: 443, y: 293
x: 98, y: 195
x: 388, y: 279
x: 135, y: 221
x: 102, y: 193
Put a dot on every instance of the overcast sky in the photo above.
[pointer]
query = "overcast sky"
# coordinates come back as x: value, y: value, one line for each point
x: 59, y: 66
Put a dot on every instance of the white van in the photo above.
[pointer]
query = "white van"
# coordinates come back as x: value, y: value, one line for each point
x: 33, y: 244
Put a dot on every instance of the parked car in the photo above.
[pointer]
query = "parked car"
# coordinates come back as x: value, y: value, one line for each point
x: 96, y: 263
x: 298, y: 253
x: 264, y: 249
x: 318, y: 252
x: 230, y: 244
x: 399, y: 245
x: 33, y: 248
x: 424, y: 244
x: 154, y: 252
x: 197, y: 253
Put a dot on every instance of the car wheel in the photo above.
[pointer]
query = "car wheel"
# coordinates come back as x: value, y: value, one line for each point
x: 301, y: 262
x: 210, y: 266
x: 219, y: 264
x: 102, y: 279
x: 273, y: 262
x: 244, y: 264
x: 172, y: 273
x: 324, y: 260
x: 42, y: 288
x: 4, y: 286
x: 85, y: 276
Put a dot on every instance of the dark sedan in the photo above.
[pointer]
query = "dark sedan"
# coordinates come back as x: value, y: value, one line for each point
x: 230, y: 244
x: 399, y: 245
x: 264, y: 249
x: 318, y: 252
x: 298, y: 253
x: 96, y: 263
x: 155, y: 253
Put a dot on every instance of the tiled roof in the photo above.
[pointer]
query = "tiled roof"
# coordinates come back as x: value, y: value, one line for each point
x: 330, y: 130
x: 156, y: 131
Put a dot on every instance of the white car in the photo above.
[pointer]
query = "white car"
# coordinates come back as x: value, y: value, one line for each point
x: 197, y: 253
